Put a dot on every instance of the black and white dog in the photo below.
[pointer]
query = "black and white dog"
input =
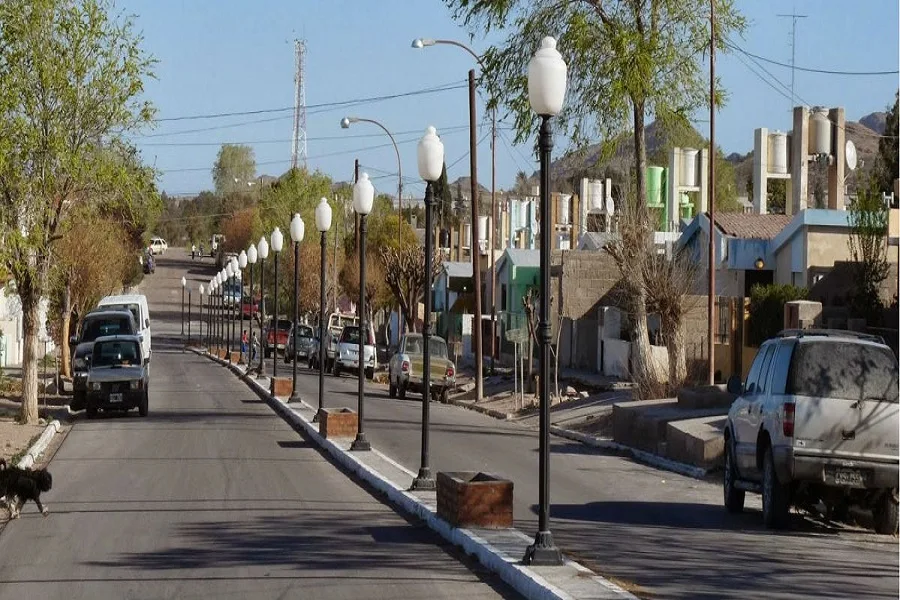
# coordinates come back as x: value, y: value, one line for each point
x: 18, y: 486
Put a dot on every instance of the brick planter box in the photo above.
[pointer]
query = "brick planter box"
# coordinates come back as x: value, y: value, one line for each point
x: 470, y: 499
x: 235, y: 357
x: 221, y: 353
x: 281, y: 386
x: 337, y: 423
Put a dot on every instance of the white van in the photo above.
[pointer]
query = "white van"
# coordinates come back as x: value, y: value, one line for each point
x: 137, y: 304
x: 158, y: 246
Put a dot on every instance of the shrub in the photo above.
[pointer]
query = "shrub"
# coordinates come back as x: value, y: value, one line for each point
x: 767, y: 310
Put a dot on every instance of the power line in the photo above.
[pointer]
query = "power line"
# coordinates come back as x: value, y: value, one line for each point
x: 821, y: 71
x: 440, y: 88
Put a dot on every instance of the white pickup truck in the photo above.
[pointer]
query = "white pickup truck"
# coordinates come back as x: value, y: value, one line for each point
x: 816, y: 421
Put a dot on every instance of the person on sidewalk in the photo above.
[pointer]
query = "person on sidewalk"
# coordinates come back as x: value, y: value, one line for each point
x: 245, y: 354
x: 193, y: 251
x: 254, y: 344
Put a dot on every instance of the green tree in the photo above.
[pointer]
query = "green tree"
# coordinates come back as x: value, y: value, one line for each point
x: 234, y: 169
x: 443, y: 202
x: 71, y: 83
x: 868, y: 217
x: 887, y: 168
x: 767, y: 310
x: 627, y: 60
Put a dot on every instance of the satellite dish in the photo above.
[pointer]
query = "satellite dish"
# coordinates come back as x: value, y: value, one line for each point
x: 610, y: 206
x: 850, y: 154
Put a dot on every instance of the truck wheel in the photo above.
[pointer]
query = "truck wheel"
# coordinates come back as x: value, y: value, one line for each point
x: 776, y: 498
x: 401, y: 391
x: 90, y: 409
x: 734, y: 498
x: 144, y: 408
x: 885, y: 513
x: 370, y: 374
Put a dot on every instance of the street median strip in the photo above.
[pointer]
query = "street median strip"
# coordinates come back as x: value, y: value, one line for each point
x: 36, y: 449
x: 498, y: 550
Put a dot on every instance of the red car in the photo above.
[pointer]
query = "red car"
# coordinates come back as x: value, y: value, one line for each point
x: 249, y: 308
x: 273, y: 345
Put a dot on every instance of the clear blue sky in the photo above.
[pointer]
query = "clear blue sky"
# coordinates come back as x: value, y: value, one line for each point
x: 233, y: 55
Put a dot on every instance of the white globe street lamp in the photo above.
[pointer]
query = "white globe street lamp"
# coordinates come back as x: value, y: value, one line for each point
x: 298, y: 228
x: 277, y: 242
x: 363, y: 198
x: 323, y: 224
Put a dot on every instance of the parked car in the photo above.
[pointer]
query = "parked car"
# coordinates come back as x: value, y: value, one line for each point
x: 816, y: 421
x: 158, y: 246
x: 332, y: 335
x: 232, y: 293
x: 301, y: 342
x: 249, y: 308
x: 137, y: 305
x: 347, y: 355
x: 96, y: 324
x: 406, y: 367
x: 270, y: 343
x: 119, y: 376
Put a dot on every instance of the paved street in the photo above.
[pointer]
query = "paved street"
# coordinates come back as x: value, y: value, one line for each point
x: 214, y: 496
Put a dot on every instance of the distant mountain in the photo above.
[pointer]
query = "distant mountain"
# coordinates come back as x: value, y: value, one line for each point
x: 875, y: 121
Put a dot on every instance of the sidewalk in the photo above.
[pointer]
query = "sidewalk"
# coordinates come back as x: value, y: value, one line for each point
x: 499, y: 550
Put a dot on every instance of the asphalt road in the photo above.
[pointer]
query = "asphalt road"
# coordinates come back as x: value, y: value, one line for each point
x: 668, y: 534
x: 214, y: 496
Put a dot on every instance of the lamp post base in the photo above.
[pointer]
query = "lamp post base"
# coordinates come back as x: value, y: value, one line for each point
x: 315, y: 418
x: 424, y: 481
x: 295, y: 397
x: 360, y: 444
x: 543, y: 552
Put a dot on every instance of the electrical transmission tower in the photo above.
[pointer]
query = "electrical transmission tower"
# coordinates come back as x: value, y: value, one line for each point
x: 794, y: 17
x: 298, y: 148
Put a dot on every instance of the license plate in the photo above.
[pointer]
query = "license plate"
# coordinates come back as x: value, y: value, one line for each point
x: 115, y: 398
x: 850, y: 477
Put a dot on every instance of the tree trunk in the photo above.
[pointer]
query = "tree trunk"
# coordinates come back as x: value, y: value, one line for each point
x: 677, y: 355
x: 64, y: 331
x: 643, y: 366
x: 30, y: 325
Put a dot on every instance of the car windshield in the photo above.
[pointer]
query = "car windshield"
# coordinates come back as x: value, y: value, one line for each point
x: 350, y: 335
x: 283, y: 325
x: 116, y: 353
x: 304, y: 331
x: 845, y: 370
x: 103, y: 326
x: 415, y: 345
x: 134, y: 309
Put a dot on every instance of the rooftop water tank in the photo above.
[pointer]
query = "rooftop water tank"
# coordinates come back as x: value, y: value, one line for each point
x: 819, y: 131
x: 467, y: 235
x: 654, y: 185
x: 596, y: 196
x: 483, y: 228
x: 523, y: 214
x: 779, y: 162
x: 689, y: 167
x: 562, y: 209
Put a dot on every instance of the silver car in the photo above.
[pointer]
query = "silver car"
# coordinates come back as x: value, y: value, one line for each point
x: 119, y: 377
x: 347, y: 358
x: 816, y: 422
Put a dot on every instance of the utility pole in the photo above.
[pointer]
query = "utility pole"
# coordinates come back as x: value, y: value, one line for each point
x: 298, y: 141
x: 794, y: 17
x: 711, y: 342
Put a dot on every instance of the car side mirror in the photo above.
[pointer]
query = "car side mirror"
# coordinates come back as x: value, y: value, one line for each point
x: 146, y: 361
x: 734, y: 385
x: 146, y: 322
x: 73, y: 340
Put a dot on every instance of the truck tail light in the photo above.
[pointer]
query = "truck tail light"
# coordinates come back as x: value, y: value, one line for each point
x: 787, y: 426
x: 449, y: 372
x: 404, y: 366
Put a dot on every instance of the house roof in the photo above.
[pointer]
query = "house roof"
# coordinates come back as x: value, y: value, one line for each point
x: 751, y: 226
x: 457, y: 269
x: 594, y: 240
x: 524, y: 258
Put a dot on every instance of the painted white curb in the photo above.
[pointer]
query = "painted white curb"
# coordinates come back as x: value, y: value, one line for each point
x: 640, y: 455
x: 27, y: 461
x: 518, y: 576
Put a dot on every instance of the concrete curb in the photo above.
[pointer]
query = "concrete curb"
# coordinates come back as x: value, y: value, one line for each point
x: 639, y: 455
x: 521, y: 578
x: 481, y: 409
x: 27, y: 461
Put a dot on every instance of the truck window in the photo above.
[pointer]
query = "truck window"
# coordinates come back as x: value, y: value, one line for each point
x: 843, y: 369
x: 780, y: 367
x: 762, y: 383
x: 755, y: 369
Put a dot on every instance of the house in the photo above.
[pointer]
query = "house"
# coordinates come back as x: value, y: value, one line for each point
x: 452, y: 297
x: 766, y: 248
x: 517, y: 271
x: 12, y: 336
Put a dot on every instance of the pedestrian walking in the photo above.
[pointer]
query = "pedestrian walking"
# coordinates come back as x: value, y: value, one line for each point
x: 193, y: 251
x: 254, y: 344
x: 245, y: 350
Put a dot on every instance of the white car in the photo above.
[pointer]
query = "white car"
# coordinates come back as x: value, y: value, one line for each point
x: 137, y: 305
x: 158, y: 246
x: 347, y: 358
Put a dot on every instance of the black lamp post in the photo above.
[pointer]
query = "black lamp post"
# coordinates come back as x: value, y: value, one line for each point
x: 298, y: 228
x: 229, y: 307
x: 431, y: 162
x: 263, y: 249
x: 323, y: 224
x: 277, y: 242
x: 251, y: 259
x: 183, y: 285
x: 546, y: 92
x: 200, y: 320
x: 242, y: 264
x: 363, y: 198
x: 189, y: 318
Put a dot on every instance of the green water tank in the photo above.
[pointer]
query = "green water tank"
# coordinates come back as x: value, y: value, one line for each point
x: 655, y: 188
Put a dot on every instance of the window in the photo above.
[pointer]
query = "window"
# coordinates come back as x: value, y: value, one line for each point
x: 116, y: 353
x: 755, y: 368
x: 723, y: 318
x: 780, y: 365
x: 95, y: 328
x: 843, y: 369
x: 764, y: 372
x: 503, y: 297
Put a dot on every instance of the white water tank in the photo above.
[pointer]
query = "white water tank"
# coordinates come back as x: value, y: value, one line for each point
x: 596, y: 195
x: 779, y: 153
x: 522, y: 207
x: 562, y: 209
x: 467, y: 235
x: 483, y: 228
x: 819, y: 131
x: 689, y: 167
